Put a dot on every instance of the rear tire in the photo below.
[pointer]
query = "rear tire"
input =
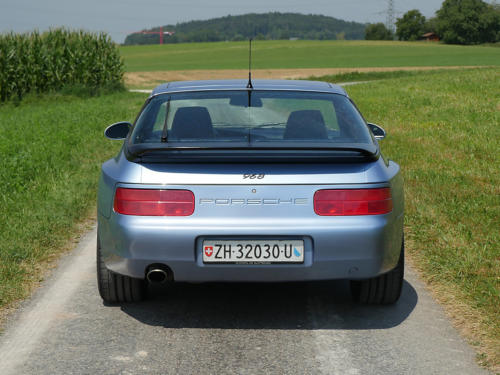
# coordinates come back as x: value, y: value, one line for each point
x: 115, y: 288
x: 381, y: 290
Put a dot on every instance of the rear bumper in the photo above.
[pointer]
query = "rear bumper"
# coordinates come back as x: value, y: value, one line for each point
x: 352, y: 247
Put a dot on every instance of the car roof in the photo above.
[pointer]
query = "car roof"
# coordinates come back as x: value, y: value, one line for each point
x: 241, y: 84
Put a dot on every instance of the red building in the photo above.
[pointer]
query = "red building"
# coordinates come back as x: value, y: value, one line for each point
x: 430, y: 37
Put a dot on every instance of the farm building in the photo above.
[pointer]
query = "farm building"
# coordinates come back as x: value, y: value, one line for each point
x: 430, y: 37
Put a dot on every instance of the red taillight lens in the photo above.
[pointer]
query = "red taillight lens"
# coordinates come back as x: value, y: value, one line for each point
x: 349, y: 202
x: 149, y: 202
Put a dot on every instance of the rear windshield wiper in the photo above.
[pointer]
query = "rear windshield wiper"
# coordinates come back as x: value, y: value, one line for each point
x: 165, y: 126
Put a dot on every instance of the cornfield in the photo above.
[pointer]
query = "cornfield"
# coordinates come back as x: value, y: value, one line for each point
x: 41, y: 62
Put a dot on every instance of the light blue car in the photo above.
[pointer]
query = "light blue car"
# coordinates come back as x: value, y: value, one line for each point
x: 220, y: 181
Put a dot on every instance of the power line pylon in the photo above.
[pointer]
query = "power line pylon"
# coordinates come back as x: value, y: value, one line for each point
x: 390, y: 15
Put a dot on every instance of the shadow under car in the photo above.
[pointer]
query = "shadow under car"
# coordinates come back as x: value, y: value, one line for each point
x: 307, y: 305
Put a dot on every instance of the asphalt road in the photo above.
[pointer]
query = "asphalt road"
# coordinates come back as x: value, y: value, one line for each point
x: 311, y: 328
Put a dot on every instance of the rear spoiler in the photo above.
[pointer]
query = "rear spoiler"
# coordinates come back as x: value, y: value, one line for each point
x: 257, y: 152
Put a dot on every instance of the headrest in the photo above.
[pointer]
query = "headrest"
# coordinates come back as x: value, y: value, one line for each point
x: 306, y: 124
x: 191, y: 123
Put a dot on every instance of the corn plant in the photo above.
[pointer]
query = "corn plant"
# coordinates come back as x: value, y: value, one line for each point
x: 41, y: 62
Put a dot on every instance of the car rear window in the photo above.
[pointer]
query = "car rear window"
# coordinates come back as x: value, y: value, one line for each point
x: 253, y: 117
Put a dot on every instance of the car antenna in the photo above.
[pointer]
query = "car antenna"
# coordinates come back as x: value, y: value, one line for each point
x: 249, y: 85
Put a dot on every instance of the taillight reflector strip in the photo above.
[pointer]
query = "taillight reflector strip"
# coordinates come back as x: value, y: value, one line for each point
x: 351, y: 202
x: 154, y: 202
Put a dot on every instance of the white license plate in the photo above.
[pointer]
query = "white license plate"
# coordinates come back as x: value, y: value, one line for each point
x: 249, y: 251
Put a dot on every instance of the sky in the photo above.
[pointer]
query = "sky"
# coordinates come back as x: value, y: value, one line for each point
x: 121, y: 17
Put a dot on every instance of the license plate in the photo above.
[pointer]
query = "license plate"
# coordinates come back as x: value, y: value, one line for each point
x: 249, y: 251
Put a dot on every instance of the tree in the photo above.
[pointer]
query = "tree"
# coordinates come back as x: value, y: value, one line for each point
x: 410, y: 26
x: 468, y: 22
x: 431, y: 25
x: 378, y: 31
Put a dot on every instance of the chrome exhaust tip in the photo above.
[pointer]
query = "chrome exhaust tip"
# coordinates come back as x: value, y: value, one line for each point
x: 157, y: 276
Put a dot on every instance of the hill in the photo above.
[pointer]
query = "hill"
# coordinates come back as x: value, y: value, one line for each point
x: 259, y: 26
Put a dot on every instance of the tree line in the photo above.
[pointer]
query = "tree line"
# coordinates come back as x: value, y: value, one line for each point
x: 258, y: 26
x: 456, y: 22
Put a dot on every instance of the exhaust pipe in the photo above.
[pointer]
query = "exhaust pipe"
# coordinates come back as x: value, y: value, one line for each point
x: 156, y: 276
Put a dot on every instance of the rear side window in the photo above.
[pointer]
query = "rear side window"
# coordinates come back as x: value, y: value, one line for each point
x: 258, y: 116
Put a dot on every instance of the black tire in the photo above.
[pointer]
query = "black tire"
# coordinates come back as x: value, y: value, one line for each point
x: 115, y: 288
x: 381, y: 290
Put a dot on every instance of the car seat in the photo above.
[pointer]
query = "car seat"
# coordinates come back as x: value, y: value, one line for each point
x: 191, y: 123
x: 306, y: 124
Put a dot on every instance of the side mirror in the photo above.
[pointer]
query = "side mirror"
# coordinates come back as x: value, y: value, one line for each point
x: 377, y: 131
x: 118, y: 131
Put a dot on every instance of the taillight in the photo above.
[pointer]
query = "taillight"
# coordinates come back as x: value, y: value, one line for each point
x: 154, y: 202
x: 349, y: 202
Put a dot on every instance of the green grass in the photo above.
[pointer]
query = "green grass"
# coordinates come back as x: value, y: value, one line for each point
x: 51, y: 149
x: 372, y: 76
x: 304, y: 54
x: 444, y: 130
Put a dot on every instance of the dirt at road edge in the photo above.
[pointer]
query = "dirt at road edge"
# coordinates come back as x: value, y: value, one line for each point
x: 152, y: 79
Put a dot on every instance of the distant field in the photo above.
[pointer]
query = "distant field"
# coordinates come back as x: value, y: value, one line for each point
x: 304, y: 54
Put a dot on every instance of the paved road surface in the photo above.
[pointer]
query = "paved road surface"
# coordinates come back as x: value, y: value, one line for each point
x: 226, y: 329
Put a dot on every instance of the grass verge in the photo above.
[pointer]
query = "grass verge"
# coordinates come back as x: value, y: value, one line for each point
x: 51, y: 148
x: 443, y: 129
x: 370, y: 76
